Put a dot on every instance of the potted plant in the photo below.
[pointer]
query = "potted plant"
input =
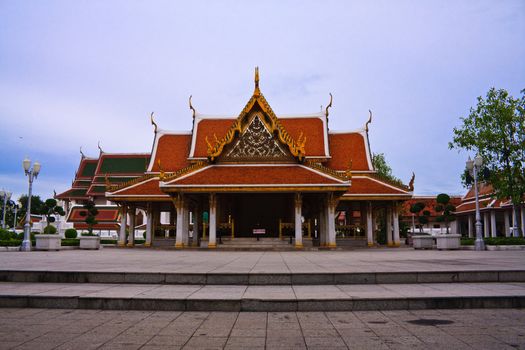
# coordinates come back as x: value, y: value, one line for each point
x: 49, y: 240
x: 446, y: 211
x: 89, y: 241
x: 421, y: 241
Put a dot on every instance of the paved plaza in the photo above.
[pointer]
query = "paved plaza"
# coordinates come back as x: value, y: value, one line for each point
x: 428, y: 329
x: 191, y: 261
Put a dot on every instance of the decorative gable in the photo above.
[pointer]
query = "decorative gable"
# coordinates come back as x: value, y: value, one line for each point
x: 256, y: 143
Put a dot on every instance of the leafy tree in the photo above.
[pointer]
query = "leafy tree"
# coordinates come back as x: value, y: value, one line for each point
x: 383, y: 169
x: 446, y: 209
x: 50, y: 209
x: 90, y: 214
x: 495, y: 129
x: 36, y: 205
x: 416, y: 209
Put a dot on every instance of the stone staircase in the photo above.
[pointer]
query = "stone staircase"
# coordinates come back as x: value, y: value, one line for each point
x: 252, y: 244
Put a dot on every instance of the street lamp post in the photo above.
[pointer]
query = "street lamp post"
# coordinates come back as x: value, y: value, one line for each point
x: 14, y: 220
x: 6, y: 195
x: 474, y: 166
x: 31, y: 174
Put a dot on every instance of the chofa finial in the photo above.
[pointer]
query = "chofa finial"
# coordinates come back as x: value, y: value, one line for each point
x: 82, y: 153
x: 369, y: 120
x: 191, y: 107
x: 100, y: 148
x: 153, y: 122
x: 328, y: 106
x: 257, y: 91
x: 411, y: 183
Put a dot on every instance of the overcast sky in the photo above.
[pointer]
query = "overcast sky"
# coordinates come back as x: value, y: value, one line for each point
x: 73, y: 73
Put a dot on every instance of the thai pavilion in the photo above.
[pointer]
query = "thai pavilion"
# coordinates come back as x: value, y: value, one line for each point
x: 253, y: 175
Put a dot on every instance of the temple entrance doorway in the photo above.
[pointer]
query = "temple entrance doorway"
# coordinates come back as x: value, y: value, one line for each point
x: 257, y: 211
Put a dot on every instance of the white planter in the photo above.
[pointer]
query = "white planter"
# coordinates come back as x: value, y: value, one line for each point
x: 447, y: 242
x: 48, y: 242
x: 89, y: 242
x: 422, y: 242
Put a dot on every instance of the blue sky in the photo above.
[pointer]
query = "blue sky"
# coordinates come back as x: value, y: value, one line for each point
x: 73, y: 73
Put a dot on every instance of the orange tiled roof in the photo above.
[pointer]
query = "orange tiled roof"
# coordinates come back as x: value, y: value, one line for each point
x: 146, y: 187
x: 345, y: 147
x: 209, y: 127
x: 363, y: 185
x: 255, y: 175
x: 105, y: 214
x: 173, y: 151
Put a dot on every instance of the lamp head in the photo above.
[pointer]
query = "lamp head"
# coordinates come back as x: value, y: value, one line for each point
x: 2, y: 193
x: 470, y: 164
x: 36, y: 168
x: 26, y: 163
x: 8, y: 195
x: 478, y: 160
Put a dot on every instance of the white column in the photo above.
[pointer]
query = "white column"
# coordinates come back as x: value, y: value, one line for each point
x: 212, y: 241
x: 470, y: 226
x: 523, y: 221
x: 322, y: 226
x: 123, y: 224
x: 185, y: 223
x: 149, y: 225
x: 331, y: 204
x: 388, y: 229
x: 298, y: 204
x: 179, y: 233
x: 369, y: 225
x: 131, y: 234
x: 397, y: 241
x: 486, y: 227
x: 493, y: 231
x: 506, y: 221
x: 197, y: 217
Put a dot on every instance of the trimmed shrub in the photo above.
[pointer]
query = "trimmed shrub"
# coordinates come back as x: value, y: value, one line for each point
x: 505, y: 241
x: 467, y: 241
x: 70, y: 242
x: 7, y: 235
x: 108, y: 241
x: 10, y: 243
x: 87, y: 234
x: 71, y: 233
x: 50, y: 230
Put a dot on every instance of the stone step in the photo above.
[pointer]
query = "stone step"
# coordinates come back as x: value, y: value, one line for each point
x: 263, y: 278
x: 262, y: 298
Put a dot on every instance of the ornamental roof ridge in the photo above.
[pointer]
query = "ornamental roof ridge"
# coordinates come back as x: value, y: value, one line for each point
x: 184, y: 171
x: 117, y: 187
x: 388, y: 181
x: 328, y: 171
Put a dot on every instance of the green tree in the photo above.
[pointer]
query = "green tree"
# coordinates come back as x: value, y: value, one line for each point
x: 445, y: 209
x: 90, y: 214
x: 36, y: 206
x: 495, y: 129
x: 416, y: 209
x: 383, y: 169
x: 50, y: 209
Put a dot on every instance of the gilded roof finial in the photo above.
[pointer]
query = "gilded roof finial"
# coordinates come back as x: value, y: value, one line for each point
x: 98, y: 145
x: 348, y: 172
x: 161, y: 172
x: 328, y: 106
x: 369, y: 120
x: 82, y: 153
x: 153, y: 122
x: 106, y: 181
x: 191, y: 107
x: 257, y: 91
x: 411, y: 183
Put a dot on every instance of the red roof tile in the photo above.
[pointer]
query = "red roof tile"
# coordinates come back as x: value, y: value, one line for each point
x: 346, y: 147
x: 367, y: 186
x: 312, y: 129
x: 209, y: 127
x: 147, y: 187
x: 173, y: 151
x: 108, y: 214
x: 255, y: 175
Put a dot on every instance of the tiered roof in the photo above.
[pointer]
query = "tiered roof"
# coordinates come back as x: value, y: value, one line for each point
x: 487, y: 200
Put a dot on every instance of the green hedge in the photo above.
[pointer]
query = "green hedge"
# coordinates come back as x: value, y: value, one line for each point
x: 496, y: 241
x: 71, y: 233
x: 70, y: 242
x: 108, y: 241
x: 10, y: 243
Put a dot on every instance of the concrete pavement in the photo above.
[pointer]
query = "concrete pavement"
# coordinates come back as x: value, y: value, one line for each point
x: 148, y: 330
